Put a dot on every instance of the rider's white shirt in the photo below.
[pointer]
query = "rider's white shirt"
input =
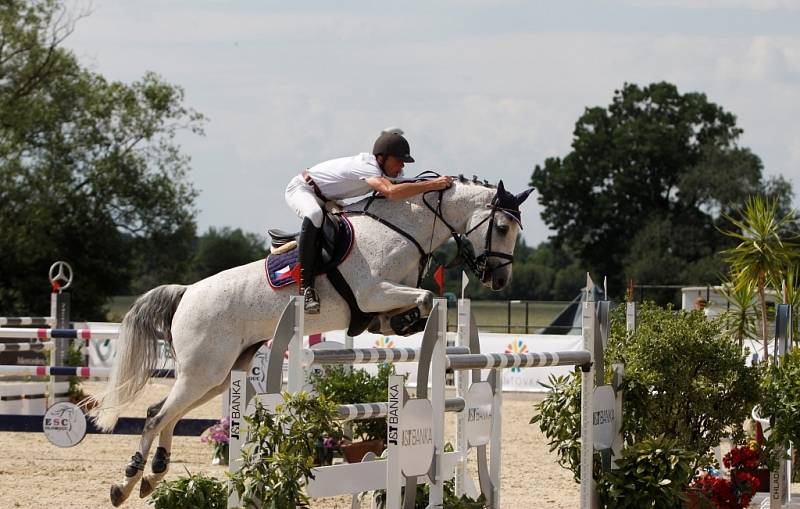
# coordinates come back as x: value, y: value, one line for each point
x: 345, y: 177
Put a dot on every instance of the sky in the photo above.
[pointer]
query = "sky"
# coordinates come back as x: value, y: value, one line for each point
x: 480, y: 87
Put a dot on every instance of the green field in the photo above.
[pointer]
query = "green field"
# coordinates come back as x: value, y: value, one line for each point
x: 491, y: 316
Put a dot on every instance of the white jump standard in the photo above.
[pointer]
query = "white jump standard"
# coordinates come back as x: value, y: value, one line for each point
x: 416, y: 425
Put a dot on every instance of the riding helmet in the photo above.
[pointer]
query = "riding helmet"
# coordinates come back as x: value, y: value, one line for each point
x: 392, y: 143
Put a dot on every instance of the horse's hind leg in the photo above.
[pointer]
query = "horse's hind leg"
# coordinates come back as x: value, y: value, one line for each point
x: 161, y: 458
x: 160, y: 463
x: 184, y: 393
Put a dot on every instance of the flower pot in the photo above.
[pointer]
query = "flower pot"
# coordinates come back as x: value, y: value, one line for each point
x: 220, y: 455
x: 696, y: 500
x: 762, y: 474
x: 355, y: 451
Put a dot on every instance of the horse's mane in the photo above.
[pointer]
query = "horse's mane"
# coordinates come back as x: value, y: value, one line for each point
x: 459, y: 180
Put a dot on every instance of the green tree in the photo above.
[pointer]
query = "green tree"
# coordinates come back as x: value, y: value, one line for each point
x: 218, y: 250
x: 89, y: 169
x: 646, y: 182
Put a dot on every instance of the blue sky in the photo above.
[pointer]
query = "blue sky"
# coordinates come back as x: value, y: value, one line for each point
x: 486, y: 87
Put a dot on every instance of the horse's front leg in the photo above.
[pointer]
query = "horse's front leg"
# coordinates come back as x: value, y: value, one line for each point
x: 398, y: 307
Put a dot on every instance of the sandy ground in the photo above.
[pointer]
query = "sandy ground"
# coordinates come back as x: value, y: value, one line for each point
x: 36, y: 474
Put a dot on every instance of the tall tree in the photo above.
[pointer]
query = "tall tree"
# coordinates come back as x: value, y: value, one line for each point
x: 646, y: 181
x: 89, y: 168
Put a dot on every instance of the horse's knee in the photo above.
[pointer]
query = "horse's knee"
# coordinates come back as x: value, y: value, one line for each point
x: 152, y: 410
x: 425, y: 303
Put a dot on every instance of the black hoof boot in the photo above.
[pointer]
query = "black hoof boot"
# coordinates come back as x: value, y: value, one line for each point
x: 404, y: 323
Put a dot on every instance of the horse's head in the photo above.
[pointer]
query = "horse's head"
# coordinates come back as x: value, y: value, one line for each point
x: 487, y: 247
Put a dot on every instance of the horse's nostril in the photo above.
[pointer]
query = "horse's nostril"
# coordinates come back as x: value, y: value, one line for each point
x: 501, y: 282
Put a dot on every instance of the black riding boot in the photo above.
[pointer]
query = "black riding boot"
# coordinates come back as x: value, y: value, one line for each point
x: 307, y: 253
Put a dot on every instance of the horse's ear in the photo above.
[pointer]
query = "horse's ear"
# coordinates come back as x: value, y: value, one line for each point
x: 521, y: 197
x: 501, y: 189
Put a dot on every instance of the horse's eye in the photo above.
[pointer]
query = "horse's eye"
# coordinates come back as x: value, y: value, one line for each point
x: 502, y: 229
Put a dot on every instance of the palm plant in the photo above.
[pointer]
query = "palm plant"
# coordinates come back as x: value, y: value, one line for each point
x: 762, y: 254
x: 740, y: 319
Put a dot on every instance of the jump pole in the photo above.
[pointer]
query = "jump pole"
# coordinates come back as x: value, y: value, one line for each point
x: 588, y: 496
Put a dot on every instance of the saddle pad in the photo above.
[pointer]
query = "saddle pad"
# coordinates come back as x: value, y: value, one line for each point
x: 283, y: 269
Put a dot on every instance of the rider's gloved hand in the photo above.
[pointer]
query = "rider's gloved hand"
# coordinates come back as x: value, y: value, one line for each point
x: 439, y: 183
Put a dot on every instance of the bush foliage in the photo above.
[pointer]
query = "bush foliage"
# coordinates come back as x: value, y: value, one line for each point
x: 685, y: 381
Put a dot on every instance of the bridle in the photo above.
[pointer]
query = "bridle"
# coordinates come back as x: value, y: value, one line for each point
x: 478, y: 265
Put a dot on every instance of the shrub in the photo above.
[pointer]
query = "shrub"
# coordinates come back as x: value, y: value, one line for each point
x: 345, y: 386
x: 278, y: 455
x: 684, y: 380
x: 780, y: 401
x: 196, y: 490
x: 651, y: 473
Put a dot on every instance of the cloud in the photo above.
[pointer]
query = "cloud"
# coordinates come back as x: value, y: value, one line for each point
x: 285, y: 89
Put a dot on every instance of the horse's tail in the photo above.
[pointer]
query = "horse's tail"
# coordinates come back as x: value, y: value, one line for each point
x: 136, y: 351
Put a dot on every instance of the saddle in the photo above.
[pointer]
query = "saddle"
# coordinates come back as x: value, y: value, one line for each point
x: 332, y: 226
x: 336, y: 240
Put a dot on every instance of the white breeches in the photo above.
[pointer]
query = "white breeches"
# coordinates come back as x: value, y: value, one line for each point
x: 301, y: 198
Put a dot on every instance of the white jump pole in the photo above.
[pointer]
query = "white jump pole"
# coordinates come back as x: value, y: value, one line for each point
x: 462, y: 387
x: 588, y: 498
x: 297, y: 375
x: 437, y: 397
x: 496, y: 458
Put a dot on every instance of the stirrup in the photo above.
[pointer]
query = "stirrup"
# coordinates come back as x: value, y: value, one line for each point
x: 311, y: 301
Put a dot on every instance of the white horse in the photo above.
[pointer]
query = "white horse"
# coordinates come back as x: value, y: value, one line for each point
x: 218, y: 323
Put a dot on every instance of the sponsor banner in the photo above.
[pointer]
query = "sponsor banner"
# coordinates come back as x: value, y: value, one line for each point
x: 603, y: 417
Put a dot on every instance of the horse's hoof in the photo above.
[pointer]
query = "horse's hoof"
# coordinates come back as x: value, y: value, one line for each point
x: 117, y: 495
x: 145, y: 488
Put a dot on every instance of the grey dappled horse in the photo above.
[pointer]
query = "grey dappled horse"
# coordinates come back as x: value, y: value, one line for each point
x: 218, y: 323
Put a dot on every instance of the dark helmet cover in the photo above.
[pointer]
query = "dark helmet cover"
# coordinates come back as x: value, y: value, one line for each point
x: 393, y: 144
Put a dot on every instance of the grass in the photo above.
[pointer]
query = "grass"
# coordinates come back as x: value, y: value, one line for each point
x: 491, y: 316
x: 119, y: 306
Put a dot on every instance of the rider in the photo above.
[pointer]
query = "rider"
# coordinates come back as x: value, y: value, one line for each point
x: 349, y: 177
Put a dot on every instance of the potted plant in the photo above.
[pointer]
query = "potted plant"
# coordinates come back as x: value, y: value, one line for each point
x: 217, y: 437
x: 734, y: 492
x: 344, y: 386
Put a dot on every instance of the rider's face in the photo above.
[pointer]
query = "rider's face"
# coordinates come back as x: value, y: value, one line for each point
x: 393, y: 166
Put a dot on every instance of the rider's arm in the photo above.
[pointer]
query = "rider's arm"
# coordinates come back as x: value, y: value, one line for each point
x: 404, y: 190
